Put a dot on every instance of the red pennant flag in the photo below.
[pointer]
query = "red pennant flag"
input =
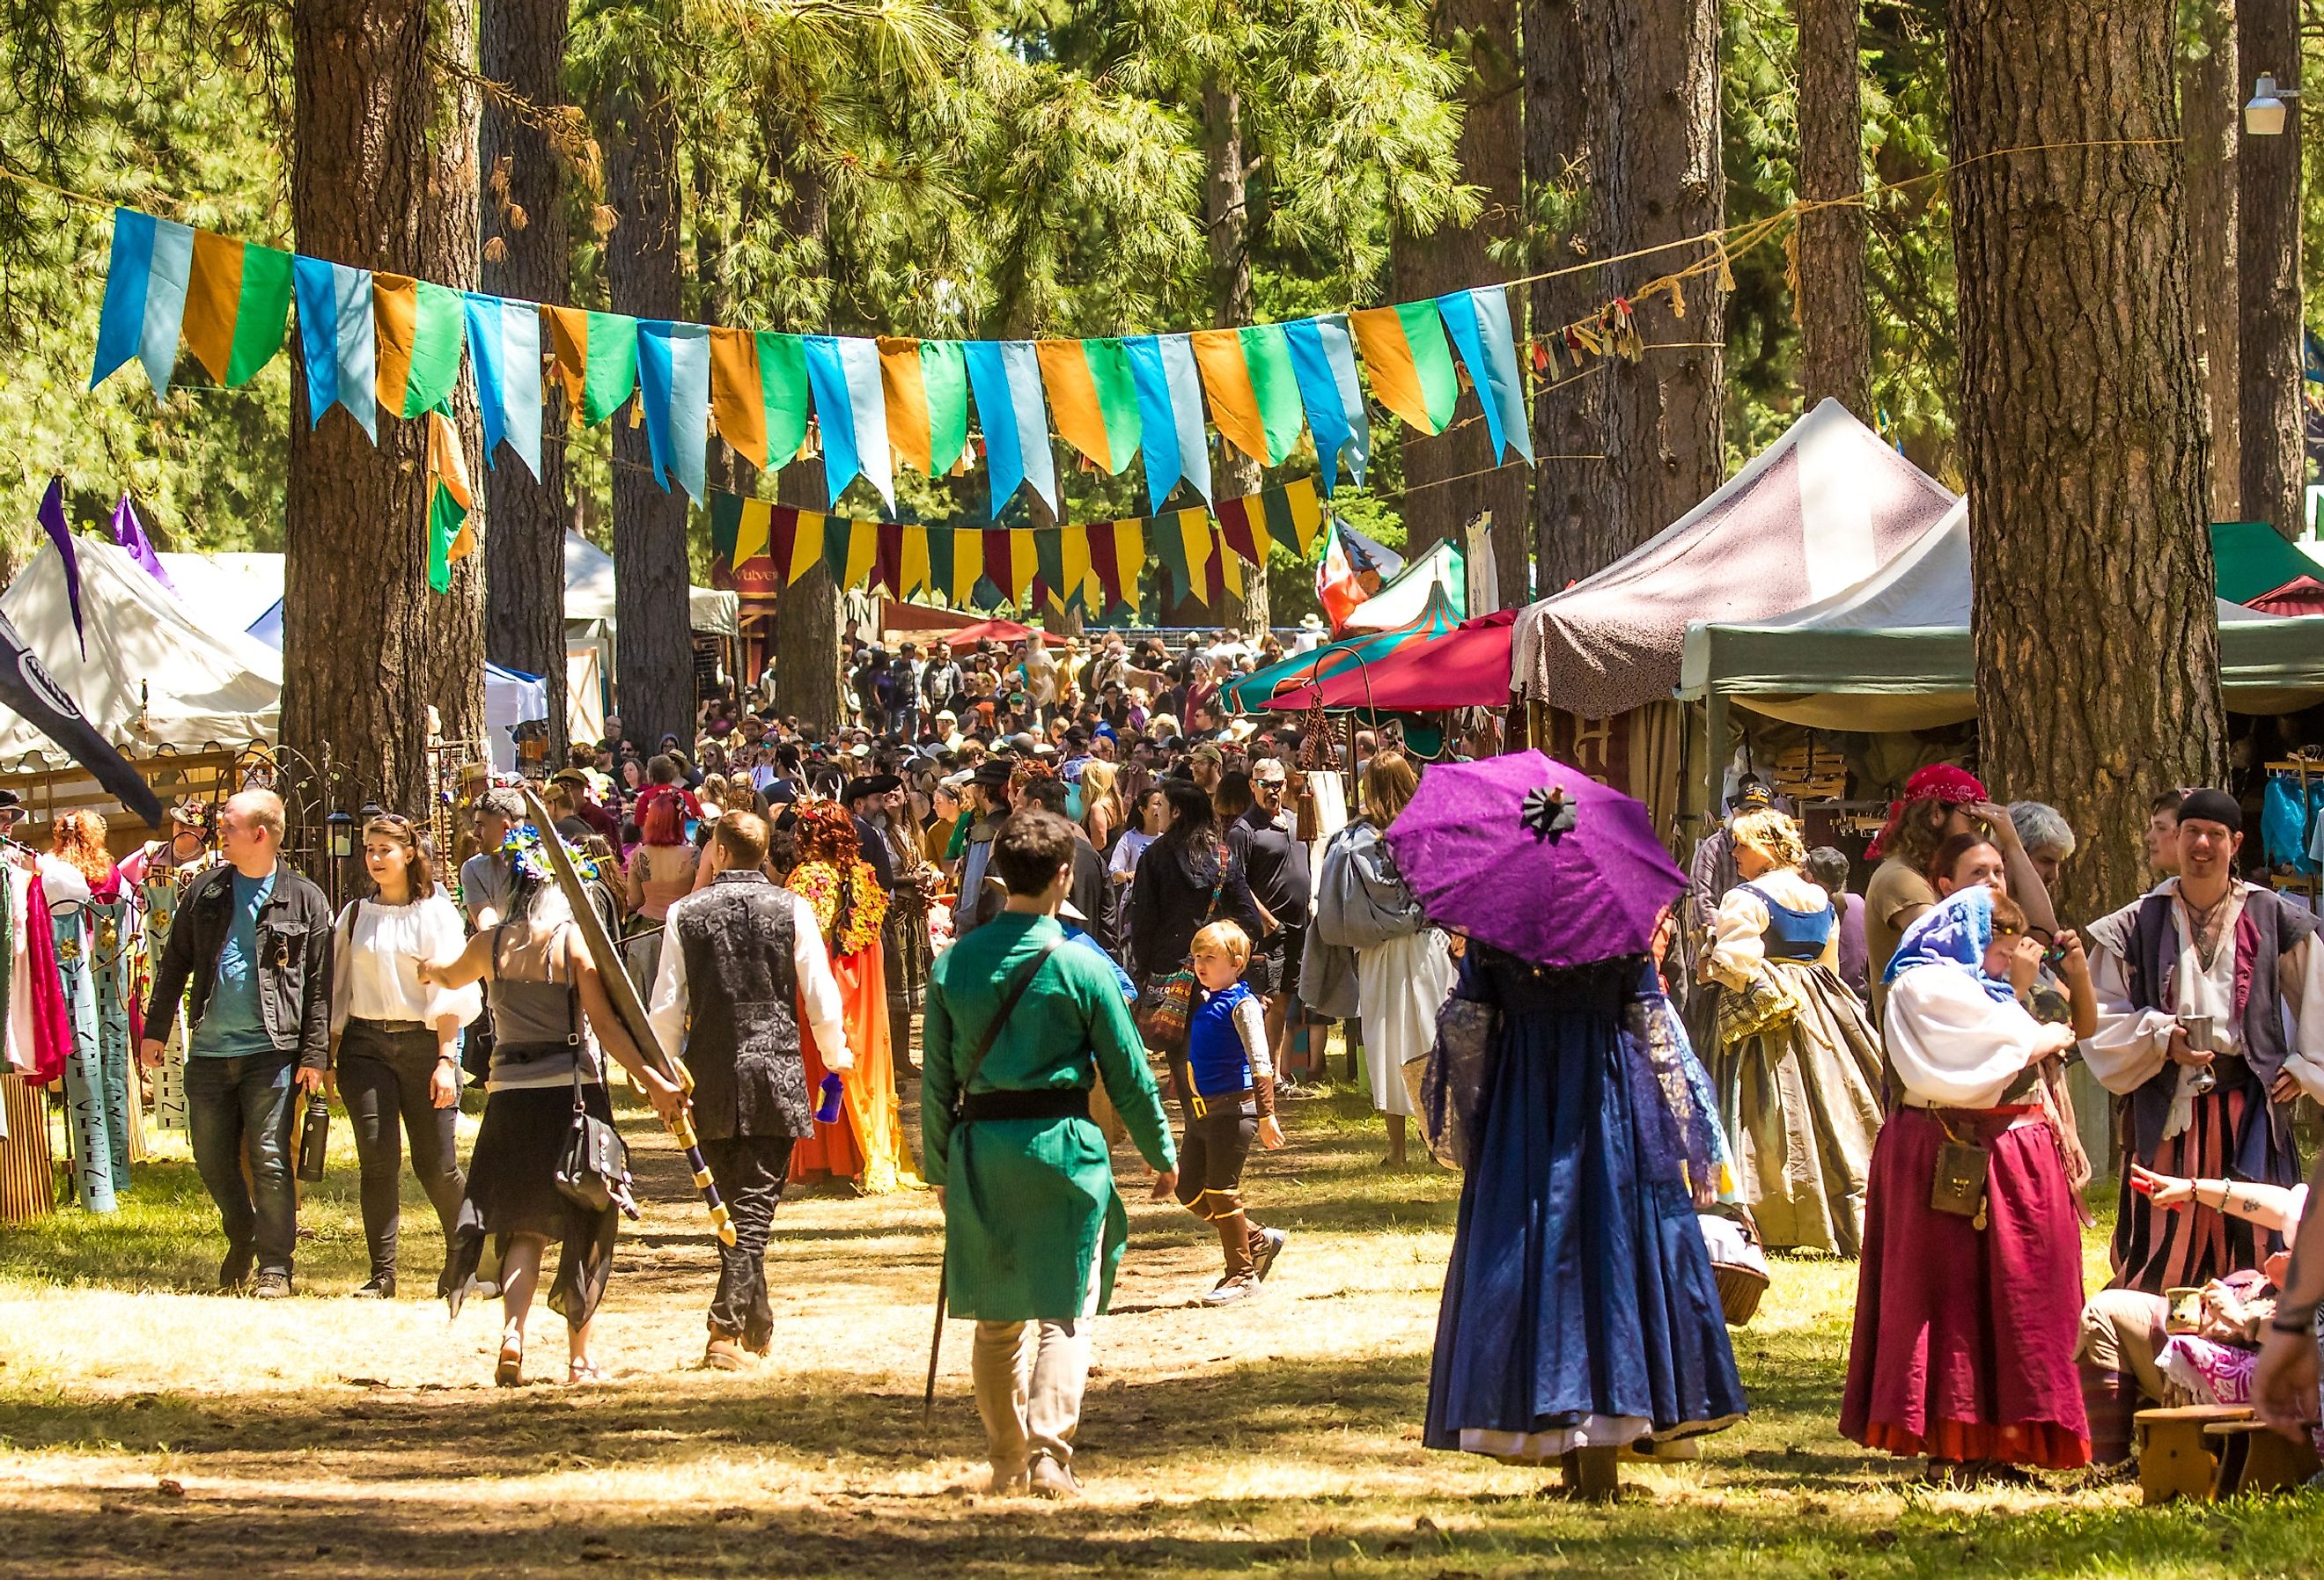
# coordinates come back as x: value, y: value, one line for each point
x: 998, y: 570
x: 1239, y: 534
x: 1101, y: 563
x: 1214, y: 572
x: 783, y: 533
x: 888, y: 559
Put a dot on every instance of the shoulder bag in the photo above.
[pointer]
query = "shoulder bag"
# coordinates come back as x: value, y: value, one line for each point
x: 593, y: 1169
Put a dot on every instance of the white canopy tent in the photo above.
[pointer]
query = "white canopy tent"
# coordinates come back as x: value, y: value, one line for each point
x: 1820, y: 509
x: 589, y: 591
x: 153, y: 675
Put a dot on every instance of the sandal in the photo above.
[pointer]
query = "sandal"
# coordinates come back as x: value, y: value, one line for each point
x: 510, y: 1372
x: 577, y: 1372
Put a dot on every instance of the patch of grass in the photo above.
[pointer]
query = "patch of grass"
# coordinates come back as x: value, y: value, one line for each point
x: 324, y: 1437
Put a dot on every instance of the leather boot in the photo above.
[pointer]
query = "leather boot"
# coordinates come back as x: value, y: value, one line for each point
x: 1241, y: 1282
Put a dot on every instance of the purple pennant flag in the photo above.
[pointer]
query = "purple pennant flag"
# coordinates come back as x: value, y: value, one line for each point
x: 129, y: 533
x: 52, y: 520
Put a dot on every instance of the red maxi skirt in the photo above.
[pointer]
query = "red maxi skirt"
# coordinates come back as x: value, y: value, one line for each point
x: 1964, y: 1346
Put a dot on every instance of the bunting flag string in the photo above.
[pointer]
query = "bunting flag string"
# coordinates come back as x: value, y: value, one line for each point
x: 760, y: 547
x: 381, y: 341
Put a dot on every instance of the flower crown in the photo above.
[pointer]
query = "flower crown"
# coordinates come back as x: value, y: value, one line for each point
x: 523, y: 847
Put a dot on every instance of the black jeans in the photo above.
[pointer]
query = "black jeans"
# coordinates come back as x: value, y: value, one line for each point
x: 383, y: 1079
x: 749, y: 1171
x: 228, y: 1100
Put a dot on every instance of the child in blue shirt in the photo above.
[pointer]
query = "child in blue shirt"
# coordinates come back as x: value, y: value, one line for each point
x: 1227, y: 1087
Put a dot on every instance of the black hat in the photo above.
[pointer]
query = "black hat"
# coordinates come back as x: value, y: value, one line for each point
x: 2212, y: 806
x: 868, y: 784
x: 993, y: 773
x: 9, y: 799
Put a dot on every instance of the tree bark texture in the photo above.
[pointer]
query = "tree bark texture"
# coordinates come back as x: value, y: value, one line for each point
x: 2273, y: 463
x: 522, y: 48
x: 653, y: 637
x: 2210, y: 111
x: 2081, y: 425
x: 384, y: 176
x: 1651, y: 129
x: 1835, y: 317
x: 1456, y: 258
x: 1227, y: 218
x: 1572, y: 480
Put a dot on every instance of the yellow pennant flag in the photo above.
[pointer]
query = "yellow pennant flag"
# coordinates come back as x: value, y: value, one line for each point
x: 862, y: 551
x: 806, y: 544
x: 1021, y: 567
x: 968, y: 565
x: 914, y: 572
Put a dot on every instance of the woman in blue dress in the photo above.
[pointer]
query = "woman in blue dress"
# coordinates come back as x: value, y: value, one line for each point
x: 1581, y: 1316
x: 1798, y: 1067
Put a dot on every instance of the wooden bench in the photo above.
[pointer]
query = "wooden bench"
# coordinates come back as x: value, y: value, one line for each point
x: 2175, y: 1457
x: 2254, y: 1458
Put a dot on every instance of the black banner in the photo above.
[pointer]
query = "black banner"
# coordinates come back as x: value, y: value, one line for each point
x: 28, y: 689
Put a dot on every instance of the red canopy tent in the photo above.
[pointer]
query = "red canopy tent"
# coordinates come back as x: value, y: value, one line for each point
x: 1467, y: 667
x: 1000, y: 630
x: 2302, y: 594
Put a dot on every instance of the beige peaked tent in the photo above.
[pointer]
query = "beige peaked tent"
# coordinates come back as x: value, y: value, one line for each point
x: 152, y: 677
x: 1820, y: 510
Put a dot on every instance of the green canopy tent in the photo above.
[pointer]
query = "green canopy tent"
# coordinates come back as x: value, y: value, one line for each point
x: 1892, y: 652
x: 1251, y: 693
x: 2251, y: 560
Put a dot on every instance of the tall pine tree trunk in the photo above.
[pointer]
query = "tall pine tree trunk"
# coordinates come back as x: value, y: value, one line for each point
x: 1572, y: 481
x: 1454, y: 258
x: 2273, y: 463
x: 2210, y: 111
x: 1835, y: 319
x: 523, y: 212
x: 653, y: 638
x: 384, y: 176
x: 809, y: 682
x: 1228, y: 221
x: 2082, y: 423
x: 1652, y: 142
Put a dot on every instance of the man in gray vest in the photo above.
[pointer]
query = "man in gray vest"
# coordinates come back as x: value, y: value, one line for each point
x: 2211, y: 1026
x: 735, y: 958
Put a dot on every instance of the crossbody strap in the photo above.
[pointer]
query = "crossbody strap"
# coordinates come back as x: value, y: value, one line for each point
x: 1018, y: 983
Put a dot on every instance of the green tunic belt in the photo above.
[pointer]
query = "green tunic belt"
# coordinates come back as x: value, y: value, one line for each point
x: 1029, y: 1201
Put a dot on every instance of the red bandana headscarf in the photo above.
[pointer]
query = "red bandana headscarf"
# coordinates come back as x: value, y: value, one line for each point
x: 1939, y: 782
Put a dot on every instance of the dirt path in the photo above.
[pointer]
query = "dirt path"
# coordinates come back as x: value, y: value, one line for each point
x: 151, y: 1430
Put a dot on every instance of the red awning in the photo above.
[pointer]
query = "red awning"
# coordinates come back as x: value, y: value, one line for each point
x: 1000, y: 630
x: 1467, y: 667
x: 2302, y: 594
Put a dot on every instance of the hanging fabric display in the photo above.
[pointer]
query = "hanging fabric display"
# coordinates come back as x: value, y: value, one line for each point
x: 1478, y: 323
x: 759, y: 395
x: 337, y: 339
x: 505, y: 353
x: 420, y: 328
x: 450, y: 537
x: 237, y: 307
x: 145, y: 297
x: 1092, y: 397
x: 1411, y: 365
x: 674, y: 393
x: 1323, y: 364
x: 597, y: 360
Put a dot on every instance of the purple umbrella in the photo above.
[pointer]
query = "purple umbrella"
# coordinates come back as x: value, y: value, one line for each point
x: 1534, y: 857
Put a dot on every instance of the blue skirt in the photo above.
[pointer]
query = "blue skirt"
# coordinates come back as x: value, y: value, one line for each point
x: 1580, y: 1309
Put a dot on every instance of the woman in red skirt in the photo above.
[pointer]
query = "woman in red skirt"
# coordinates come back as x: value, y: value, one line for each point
x: 1970, y: 1293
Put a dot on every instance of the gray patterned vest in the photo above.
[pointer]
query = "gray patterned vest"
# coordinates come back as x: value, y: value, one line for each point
x: 741, y: 1034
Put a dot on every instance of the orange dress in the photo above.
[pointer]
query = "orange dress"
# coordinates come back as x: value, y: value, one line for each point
x: 866, y: 1144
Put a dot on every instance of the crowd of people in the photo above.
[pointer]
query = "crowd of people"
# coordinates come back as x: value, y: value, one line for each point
x: 1894, y: 1074
x: 1109, y: 875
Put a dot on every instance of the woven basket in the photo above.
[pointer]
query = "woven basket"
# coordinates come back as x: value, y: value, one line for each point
x: 1739, y: 1289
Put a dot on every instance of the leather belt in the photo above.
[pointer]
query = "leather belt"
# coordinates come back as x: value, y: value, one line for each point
x: 1056, y: 1103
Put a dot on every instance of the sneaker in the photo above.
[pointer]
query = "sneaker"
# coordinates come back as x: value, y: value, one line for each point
x: 381, y: 1286
x: 1242, y: 1287
x: 1053, y: 1481
x: 273, y: 1287
x: 234, y: 1272
x: 1270, y: 1246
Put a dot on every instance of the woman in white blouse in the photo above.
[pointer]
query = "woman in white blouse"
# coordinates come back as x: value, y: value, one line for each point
x: 395, y: 1041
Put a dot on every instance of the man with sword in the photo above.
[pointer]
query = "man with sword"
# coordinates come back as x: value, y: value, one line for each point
x: 739, y: 959
x: 1019, y: 1029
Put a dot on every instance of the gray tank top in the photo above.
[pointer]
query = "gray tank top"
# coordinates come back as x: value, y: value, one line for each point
x: 536, y: 1030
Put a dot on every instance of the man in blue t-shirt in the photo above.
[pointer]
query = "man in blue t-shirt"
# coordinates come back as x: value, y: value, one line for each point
x: 253, y: 940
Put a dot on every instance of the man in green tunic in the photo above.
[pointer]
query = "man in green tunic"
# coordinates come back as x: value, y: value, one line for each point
x: 1033, y: 1230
